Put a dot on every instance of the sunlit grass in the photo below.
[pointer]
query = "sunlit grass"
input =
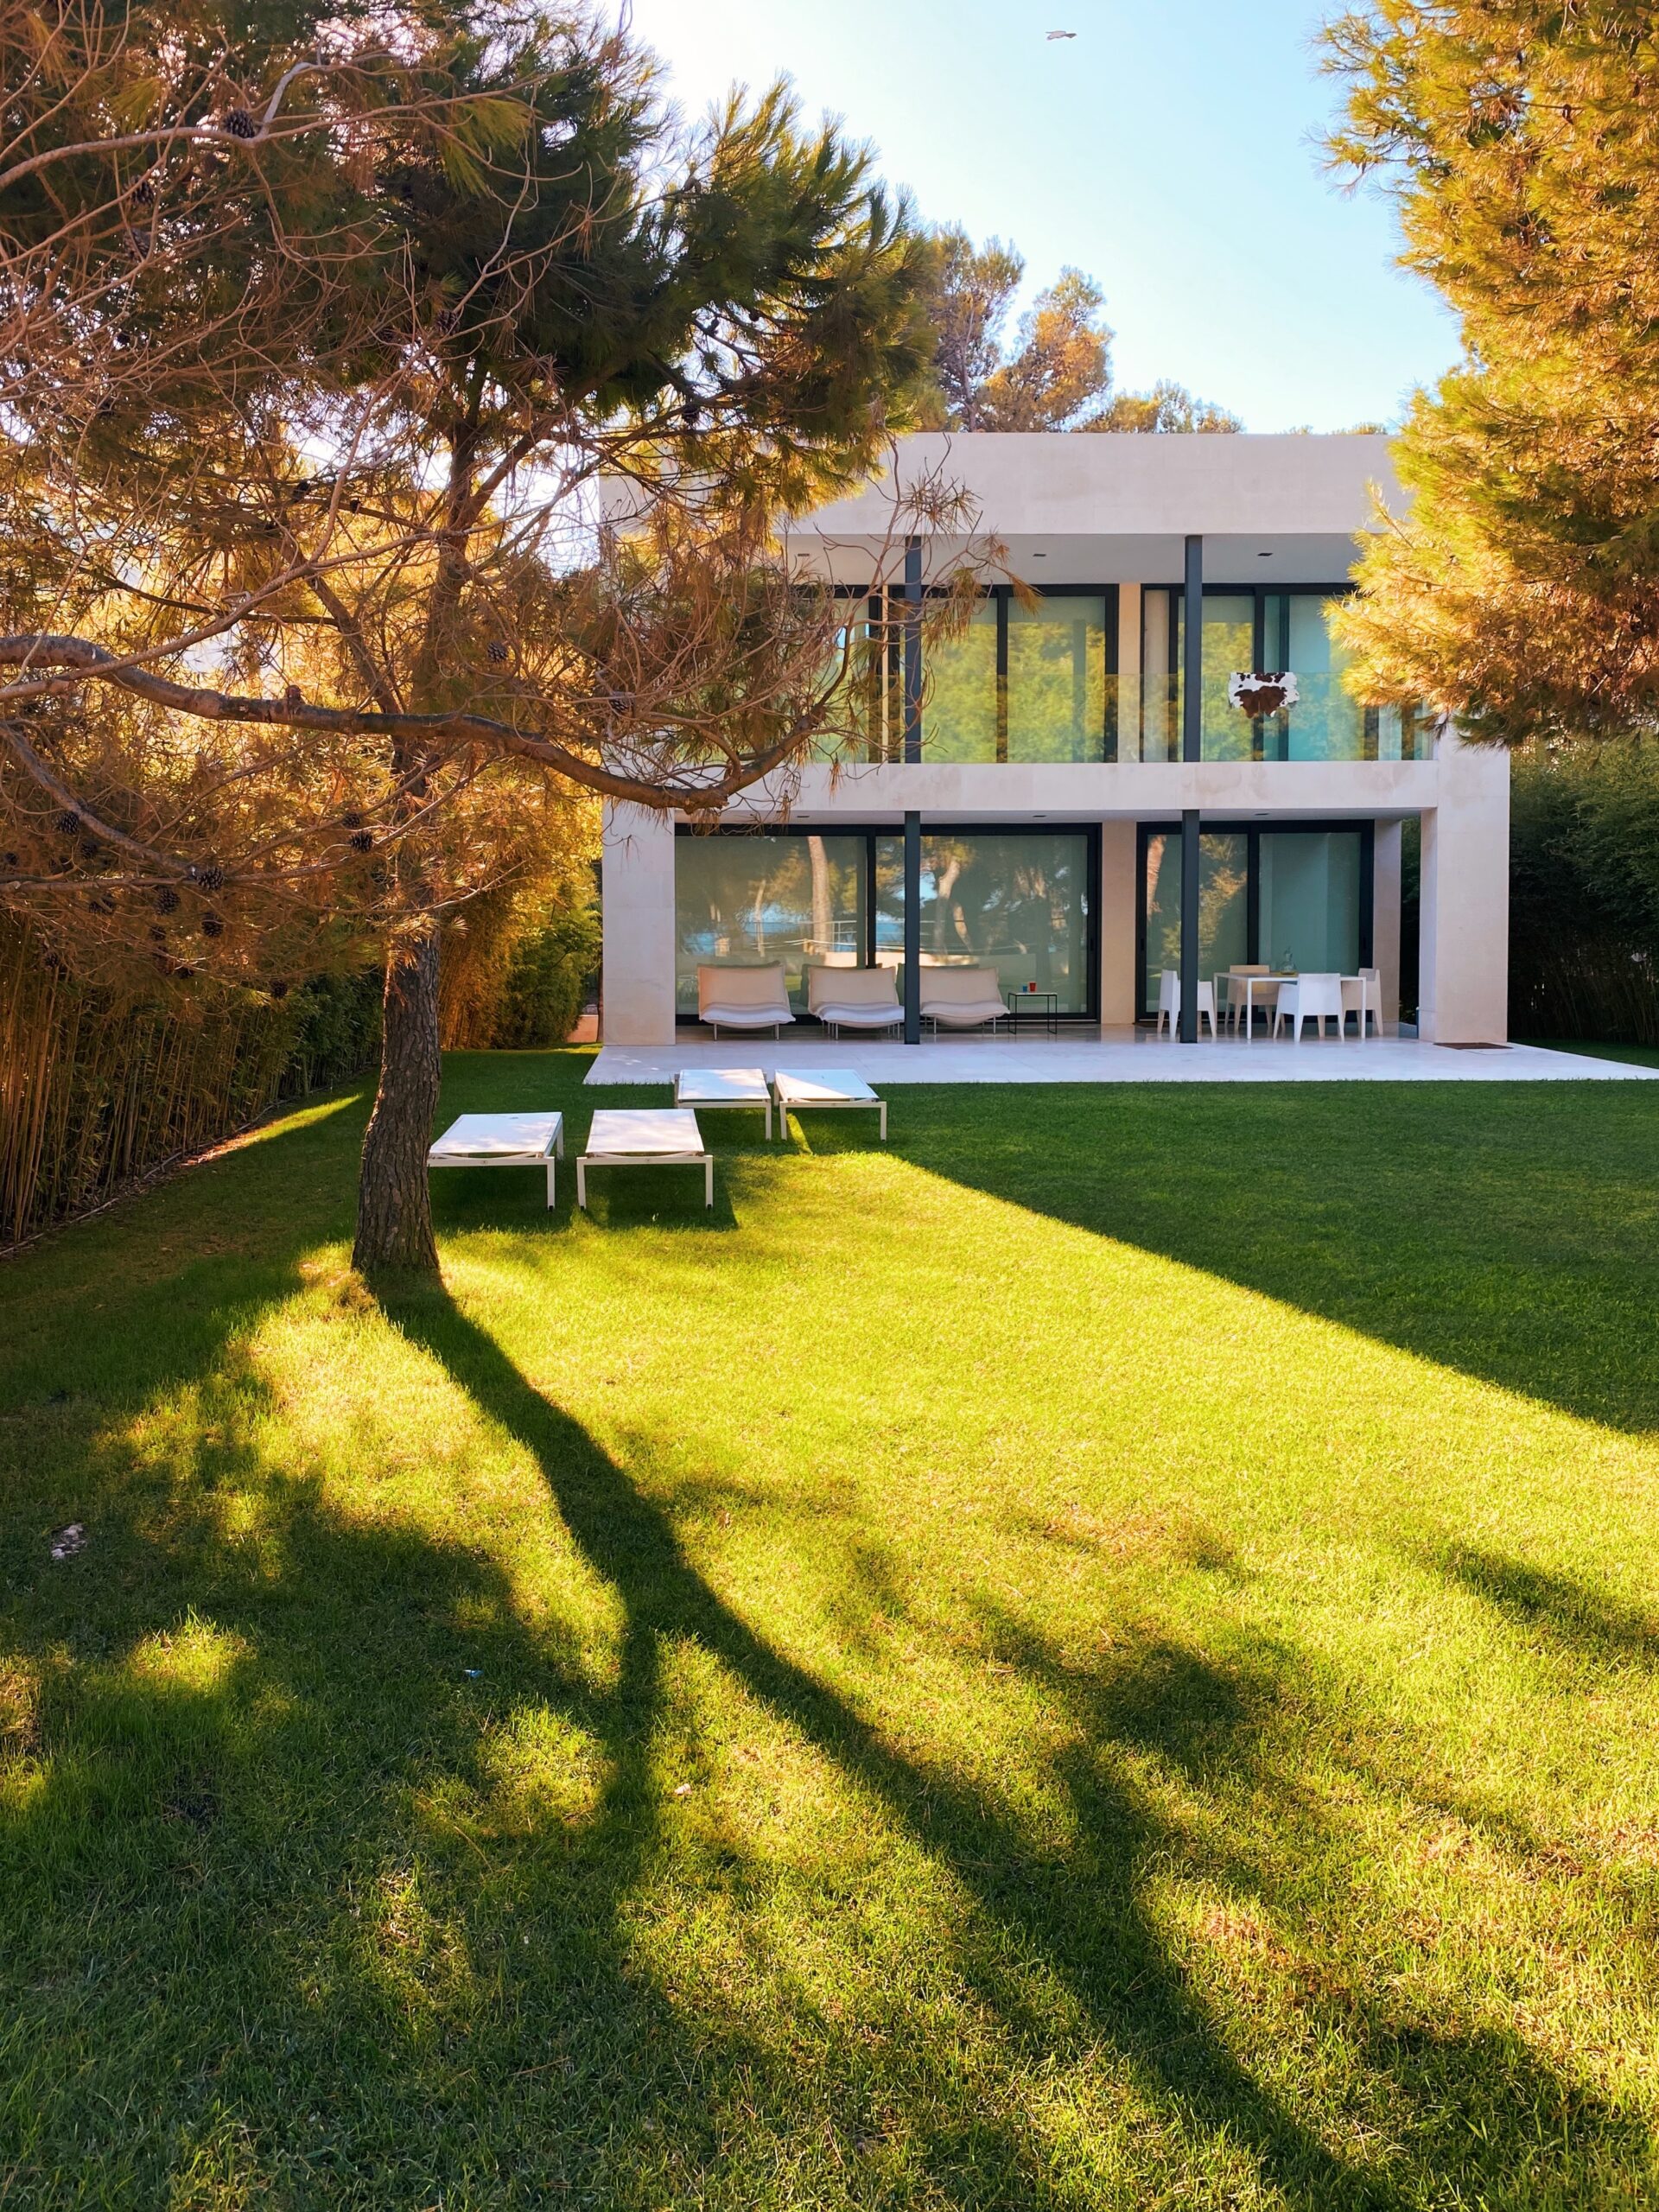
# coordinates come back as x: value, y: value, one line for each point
x: 1105, y: 1653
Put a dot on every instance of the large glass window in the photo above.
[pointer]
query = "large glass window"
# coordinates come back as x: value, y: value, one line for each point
x: 1310, y: 900
x: 1302, y: 911
x: 747, y: 900
x: 1016, y: 903
x: 1055, y: 701
x: 1057, y: 678
x: 1159, y: 716
x: 1327, y: 723
x: 959, y: 708
x: 1223, y: 905
x: 1229, y: 647
x: 1267, y: 631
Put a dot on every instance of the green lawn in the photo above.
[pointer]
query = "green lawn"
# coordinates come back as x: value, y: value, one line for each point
x: 1104, y: 1653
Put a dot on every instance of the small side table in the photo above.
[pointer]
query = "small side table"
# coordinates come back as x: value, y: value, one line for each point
x: 1018, y: 1001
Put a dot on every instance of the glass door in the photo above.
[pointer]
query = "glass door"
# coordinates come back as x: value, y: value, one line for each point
x: 1297, y: 897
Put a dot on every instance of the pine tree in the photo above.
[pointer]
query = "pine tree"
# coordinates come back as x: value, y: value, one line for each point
x: 318, y: 333
x: 1520, y: 593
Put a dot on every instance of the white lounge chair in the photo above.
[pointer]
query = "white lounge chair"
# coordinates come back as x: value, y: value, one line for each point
x: 1169, y: 1004
x: 1317, y: 999
x: 743, y: 998
x: 502, y: 1141
x: 853, y: 998
x: 650, y: 1136
x: 712, y: 1087
x: 962, y: 998
x: 795, y: 1088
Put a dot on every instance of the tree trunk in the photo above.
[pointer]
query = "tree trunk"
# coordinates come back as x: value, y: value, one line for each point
x: 394, y: 1204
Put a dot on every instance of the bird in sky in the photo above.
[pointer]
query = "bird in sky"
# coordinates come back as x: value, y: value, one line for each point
x: 1054, y: 35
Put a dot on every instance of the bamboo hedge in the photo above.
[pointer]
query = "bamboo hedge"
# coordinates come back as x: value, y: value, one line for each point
x: 97, y: 1091
x: 1584, y: 892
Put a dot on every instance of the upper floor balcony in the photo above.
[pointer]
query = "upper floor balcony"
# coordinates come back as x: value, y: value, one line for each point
x: 1090, y: 674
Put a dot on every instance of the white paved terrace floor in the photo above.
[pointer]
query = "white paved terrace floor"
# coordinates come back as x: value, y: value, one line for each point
x: 1118, y: 1056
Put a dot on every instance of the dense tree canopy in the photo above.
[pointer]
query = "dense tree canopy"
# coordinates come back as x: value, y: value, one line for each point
x: 1058, y: 375
x: 1522, y: 592
x: 319, y: 334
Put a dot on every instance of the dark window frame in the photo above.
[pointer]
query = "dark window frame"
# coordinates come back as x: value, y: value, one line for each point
x: 888, y: 627
x: 1259, y: 593
x: 871, y: 831
x: 1253, y: 832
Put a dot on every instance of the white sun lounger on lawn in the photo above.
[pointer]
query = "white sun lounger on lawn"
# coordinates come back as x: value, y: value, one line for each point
x: 645, y: 1136
x: 711, y: 1087
x: 502, y: 1141
x: 797, y: 1088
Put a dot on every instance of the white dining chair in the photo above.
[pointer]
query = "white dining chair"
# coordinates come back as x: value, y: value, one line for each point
x: 1237, y: 1000
x: 1317, y: 999
x: 1169, y: 1003
x: 1361, y: 995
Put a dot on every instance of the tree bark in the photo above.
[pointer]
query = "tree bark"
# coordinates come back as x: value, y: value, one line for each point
x: 394, y: 1200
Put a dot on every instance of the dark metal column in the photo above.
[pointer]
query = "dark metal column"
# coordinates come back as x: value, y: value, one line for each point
x: 912, y: 929
x: 913, y: 649
x: 1191, y: 749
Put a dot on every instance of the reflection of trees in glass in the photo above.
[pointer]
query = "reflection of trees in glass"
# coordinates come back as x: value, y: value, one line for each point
x: 1229, y: 645
x: 1056, y: 680
x: 795, y: 899
x: 1223, y: 880
x: 1224, y: 874
x: 959, y: 700
x: 1163, y: 908
x: 999, y: 900
x: 1327, y: 723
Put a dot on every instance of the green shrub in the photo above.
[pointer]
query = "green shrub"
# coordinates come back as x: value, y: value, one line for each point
x: 336, y: 1031
x: 547, y: 975
x: 1584, y: 892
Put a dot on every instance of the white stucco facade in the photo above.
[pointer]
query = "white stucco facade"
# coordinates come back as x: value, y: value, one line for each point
x: 1113, y: 513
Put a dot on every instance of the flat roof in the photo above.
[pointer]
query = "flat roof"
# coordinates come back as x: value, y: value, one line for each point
x: 1108, y: 507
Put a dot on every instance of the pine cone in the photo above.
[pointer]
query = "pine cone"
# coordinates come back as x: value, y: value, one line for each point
x: 210, y: 878
x: 68, y: 823
x: 212, y: 926
x: 352, y: 819
x: 497, y: 650
x: 167, y: 901
x: 279, y: 989
x: 241, y: 124
x: 363, y: 841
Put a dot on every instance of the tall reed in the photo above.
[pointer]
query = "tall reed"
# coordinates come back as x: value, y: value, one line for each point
x: 96, y: 1091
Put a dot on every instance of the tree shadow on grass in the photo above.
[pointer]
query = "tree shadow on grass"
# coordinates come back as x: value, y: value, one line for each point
x: 1076, y: 1909
x: 1506, y: 1231
x: 272, y: 1903
x: 1475, y: 2111
x: 1573, y: 1615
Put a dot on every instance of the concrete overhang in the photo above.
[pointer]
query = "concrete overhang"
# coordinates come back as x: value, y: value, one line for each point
x: 1012, y: 792
x: 1075, y: 508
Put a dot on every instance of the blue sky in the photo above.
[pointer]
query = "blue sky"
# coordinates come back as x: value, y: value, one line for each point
x: 1167, y: 149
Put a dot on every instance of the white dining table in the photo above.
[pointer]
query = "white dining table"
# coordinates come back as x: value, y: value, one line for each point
x: 1251, y: 982
x: 1271, y: 986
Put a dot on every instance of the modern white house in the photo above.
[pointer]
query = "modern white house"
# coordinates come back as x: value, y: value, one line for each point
x: 1071, y: 793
